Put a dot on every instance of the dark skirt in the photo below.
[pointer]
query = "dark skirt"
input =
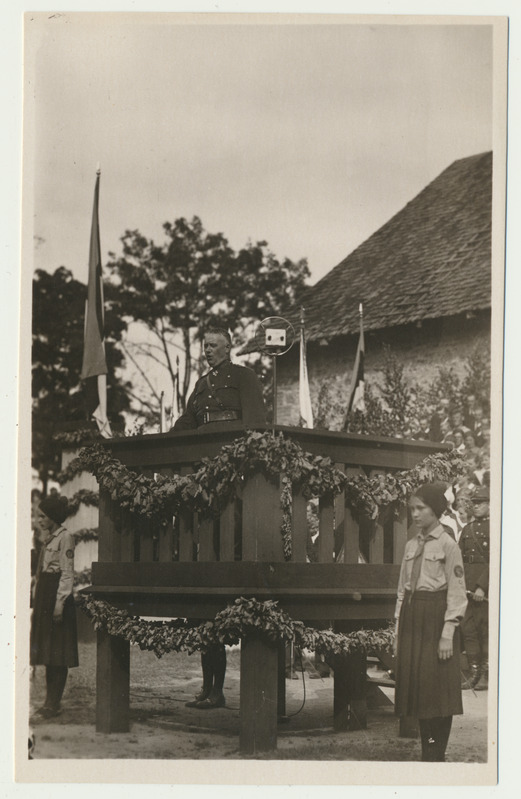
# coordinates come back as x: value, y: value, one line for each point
x: 52, y: 644
x: 426, y: 687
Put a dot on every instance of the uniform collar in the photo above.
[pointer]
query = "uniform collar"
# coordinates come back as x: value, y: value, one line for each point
x: 223, y: 365
x: 438, y: 530
x: 53, y: 535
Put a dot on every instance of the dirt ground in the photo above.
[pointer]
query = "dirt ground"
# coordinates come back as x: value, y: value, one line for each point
x: 163, y: 728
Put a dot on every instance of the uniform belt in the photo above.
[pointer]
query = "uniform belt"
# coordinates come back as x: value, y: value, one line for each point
x: 220, y: 416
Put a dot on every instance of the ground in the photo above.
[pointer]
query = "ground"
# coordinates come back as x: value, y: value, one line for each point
x: 163, y: 728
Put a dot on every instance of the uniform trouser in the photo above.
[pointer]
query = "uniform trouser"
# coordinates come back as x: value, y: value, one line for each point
x: 213, y: 663
x: 475, y: 632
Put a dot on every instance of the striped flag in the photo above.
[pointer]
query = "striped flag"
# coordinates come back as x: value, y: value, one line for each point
x: 306, y: 412
x: 94, y: 367
x: 356, y: 390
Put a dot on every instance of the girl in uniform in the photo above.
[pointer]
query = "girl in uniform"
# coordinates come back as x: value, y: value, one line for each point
x: 431, y: 604
x: 53, y: 627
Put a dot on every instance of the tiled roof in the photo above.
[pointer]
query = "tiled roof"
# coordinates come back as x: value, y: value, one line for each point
x: 432, y: 259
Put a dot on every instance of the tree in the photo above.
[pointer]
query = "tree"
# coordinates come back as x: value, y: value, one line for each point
x: 190, y: 281
x: 57, y: 348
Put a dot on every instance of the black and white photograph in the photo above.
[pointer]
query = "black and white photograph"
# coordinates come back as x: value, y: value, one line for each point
x: 260, y: 444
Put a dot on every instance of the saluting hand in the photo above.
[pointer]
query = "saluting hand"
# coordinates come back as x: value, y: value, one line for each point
x: 445, y: 648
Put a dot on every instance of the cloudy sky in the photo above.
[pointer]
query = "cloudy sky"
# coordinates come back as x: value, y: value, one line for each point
x: 307, y: 136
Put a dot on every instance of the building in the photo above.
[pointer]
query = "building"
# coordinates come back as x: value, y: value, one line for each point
x: 424, y: 279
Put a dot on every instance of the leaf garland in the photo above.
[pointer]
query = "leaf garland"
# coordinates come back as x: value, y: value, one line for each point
x: 82, y: 497
x: 74, y: 468
x: 215, y: 483
x: 86, y: 534
x: 243, y: 617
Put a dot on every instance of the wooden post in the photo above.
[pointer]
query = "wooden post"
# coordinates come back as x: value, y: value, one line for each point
x: 326, y: 525
x: 112, y: 683
x: 259, y: 677
x: 112, y: 654
x: 300, y: 529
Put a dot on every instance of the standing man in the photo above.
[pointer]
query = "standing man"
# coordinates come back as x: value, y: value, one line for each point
x: 475, y: 548
x: 227, y: 393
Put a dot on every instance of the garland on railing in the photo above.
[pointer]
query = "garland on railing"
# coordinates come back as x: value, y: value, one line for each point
x: 75, y: 437
x: 214, y: 484
x: 243, y: 617
x: 82, y: 497
x: 74, y: 468
x: 86, y: 534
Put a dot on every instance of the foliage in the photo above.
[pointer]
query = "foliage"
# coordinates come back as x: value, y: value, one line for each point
x: 395, y: 390
x: 86, y: 534
x: 57, y: 351
x: 243, y: 617
x: 213, y: 485
x: 477, y: 378
x: 193, y: 279
x: 85, y: 497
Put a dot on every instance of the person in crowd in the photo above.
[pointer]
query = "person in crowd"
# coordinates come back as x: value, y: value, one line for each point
x: 228, y: 393
x: 475, y: 548
x: 471, y: 448
x: 482, y: 471
x: 459, y: 441
x: 431, y: 602
x: 456, y: 421
x: 53, y: 625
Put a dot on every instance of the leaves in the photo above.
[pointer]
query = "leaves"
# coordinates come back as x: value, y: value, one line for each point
x: 243, y: 617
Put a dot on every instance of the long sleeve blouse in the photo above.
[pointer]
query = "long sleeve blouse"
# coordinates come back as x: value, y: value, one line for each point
x: 441, y: 569
x: 57, y: 556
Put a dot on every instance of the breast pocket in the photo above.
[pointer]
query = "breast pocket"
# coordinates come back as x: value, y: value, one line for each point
x: 433, y: 565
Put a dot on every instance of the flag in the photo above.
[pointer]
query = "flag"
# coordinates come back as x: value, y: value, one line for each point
x: 356, y: 390
x: 94, y: 367
x: 306, y: 413
x: 162, y: 414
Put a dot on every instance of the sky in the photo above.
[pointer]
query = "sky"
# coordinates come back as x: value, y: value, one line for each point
x: 309, y: 137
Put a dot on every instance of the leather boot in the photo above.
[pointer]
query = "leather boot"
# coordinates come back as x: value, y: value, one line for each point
x: 482, y: 683
x: 471, y: 677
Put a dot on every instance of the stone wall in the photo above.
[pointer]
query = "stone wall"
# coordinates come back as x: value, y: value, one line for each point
x: 422, y: 349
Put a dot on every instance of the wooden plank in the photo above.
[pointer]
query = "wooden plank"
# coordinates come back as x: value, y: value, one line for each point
x: 227, y: 533
x: 261, y: 520
x: 205, y: 526
x: 351, y: 526
x: 399, y: 535
x: 300, y: 528
x: 258, y: 709
x: 205, y: 607
x: 166, y: 542
x: 146, y: 541
x: 109, y: 544
x: 376, y: 545
x: 156, y: 451
x: 186, y: 527
x: 112, y: 683
x: 340, y: 508
x: 345, y: 577
x: 326, y: 527
x: 126, y: 535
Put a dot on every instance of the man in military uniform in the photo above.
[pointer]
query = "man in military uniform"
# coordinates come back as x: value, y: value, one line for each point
x: 475, y: 548
x: 227, y: 393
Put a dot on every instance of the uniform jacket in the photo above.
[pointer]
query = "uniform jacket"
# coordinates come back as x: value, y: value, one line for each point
x: 227, y: 387
x: 442, y: 569
x: 57, y: 557
x: 475, y: 548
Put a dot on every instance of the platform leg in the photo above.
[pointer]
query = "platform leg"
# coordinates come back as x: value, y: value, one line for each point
x: 112, y: 683
x: 259, y: 678
x: 349, y: 692
x: 340, y: 694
